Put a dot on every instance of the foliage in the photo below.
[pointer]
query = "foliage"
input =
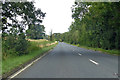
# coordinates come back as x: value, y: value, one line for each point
x: 57, y: 36
x: 36, y: 32
x: 95, y: 25
x: 15, y: 61
x: 16, y: 16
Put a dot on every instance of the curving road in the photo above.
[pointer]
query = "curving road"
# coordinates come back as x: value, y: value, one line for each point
x: 67, y: 61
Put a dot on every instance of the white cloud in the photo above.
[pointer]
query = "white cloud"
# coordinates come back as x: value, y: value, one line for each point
x: 58, y: 14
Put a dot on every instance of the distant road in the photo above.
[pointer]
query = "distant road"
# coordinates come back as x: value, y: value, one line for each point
x: 67, y: 61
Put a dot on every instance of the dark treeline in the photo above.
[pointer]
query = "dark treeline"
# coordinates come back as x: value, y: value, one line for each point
x: 95, y: 25
x: 20, y: 19
x: 36, y: 31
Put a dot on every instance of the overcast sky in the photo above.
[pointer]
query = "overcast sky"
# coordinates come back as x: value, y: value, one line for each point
x: 58, y: 14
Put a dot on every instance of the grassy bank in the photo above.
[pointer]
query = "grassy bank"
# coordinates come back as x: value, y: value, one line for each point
x: 34, y: 50
x: 114, y: 52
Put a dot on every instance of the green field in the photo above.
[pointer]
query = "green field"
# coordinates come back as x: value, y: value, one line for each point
x: 14, y: 61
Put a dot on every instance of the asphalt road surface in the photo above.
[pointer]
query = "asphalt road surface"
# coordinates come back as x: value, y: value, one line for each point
x: 67, y: 61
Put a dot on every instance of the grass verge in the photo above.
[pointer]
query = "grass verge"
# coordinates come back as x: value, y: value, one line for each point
x: 14, y: 61
x: 113, y: 52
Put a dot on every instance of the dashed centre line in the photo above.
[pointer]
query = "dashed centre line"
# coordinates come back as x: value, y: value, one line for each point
x: 79, y: 54
x: 93, y: 62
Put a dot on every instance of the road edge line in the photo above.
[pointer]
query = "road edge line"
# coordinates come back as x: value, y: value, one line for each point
x: 19, y: 71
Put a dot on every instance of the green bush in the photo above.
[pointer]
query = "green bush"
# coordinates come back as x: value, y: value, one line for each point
x: 21, y: 45
x: 14, y: 45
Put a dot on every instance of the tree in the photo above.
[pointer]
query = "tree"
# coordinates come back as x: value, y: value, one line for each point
x: 95, y: 25
x: 36, y: 32
x: 15, y: 18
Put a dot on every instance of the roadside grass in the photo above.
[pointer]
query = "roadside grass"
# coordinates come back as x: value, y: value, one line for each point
x: 37, y: 40
x: 113, y: 52
x: 41, y: 42
x: 35, y: 45
x: 14, y: 61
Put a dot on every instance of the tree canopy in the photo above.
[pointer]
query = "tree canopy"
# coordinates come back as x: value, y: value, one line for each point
x: 16, y: 17
x: 95, y: 25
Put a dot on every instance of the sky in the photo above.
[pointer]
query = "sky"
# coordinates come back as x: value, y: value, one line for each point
x: 58, y: 14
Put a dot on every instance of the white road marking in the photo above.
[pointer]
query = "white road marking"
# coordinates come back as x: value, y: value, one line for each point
x: 12, y: 76
x: 20, y: 71
x: 94, y: 62
x: 79, y: 54
x: 116, y: 74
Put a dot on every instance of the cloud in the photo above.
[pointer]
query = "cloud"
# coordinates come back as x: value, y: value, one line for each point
x: 58, y: 14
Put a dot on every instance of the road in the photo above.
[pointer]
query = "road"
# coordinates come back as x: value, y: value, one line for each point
x: 68, y: 61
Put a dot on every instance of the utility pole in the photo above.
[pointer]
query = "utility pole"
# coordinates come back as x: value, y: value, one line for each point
x: 51, y: 37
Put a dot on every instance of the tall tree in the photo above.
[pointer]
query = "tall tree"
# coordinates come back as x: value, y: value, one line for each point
x: 15, y: 18
x: 95, y: 25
